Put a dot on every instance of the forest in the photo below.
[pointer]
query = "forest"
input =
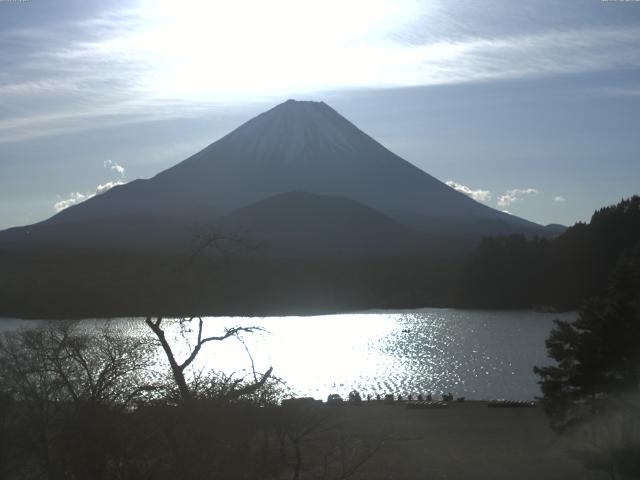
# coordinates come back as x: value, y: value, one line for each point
x: 559, y: 273
x: 502, y: 272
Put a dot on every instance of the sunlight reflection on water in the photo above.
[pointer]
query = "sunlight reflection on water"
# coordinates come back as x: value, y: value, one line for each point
x: 476, y: 354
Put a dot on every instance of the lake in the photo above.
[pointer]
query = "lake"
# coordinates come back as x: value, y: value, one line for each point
x: 470, y: 353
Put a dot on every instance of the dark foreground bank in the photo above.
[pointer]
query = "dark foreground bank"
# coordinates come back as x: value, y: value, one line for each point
x: 374, y: 441
x: 463, y: 441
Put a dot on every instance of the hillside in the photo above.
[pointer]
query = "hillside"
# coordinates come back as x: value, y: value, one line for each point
x: 516, y: 272
x: 295, y: 146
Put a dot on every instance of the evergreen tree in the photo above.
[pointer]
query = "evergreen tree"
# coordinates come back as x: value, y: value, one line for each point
x: 597, y: 374
x: 519, y: 272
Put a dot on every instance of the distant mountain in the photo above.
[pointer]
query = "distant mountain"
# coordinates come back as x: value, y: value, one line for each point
x: 306, y: 225
x: 294, y: 147
x: 554, y: 229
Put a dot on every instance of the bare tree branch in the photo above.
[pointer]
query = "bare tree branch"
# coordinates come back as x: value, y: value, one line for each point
x: 177, y: 369
x: 177, y: 372
x: 253, y: 365
x: 208, y: 239
x: 231, y: 332
x: 249, y: 389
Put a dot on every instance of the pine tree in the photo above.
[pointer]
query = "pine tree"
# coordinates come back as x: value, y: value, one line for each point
x: 597, y: 371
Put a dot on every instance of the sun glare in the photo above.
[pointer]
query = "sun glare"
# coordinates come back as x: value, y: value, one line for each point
x: 217, y: 50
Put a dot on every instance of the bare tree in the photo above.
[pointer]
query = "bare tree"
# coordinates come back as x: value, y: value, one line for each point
x: 178, y: 368
x: 70, y: 389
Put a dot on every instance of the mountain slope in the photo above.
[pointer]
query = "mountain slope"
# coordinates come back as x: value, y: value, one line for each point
x: 300, y: 224
x: 136, y: 232
x: 299, y: 146
x: 295, y: 146
x: 292, y: 224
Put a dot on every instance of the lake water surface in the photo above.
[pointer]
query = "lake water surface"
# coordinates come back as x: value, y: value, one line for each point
x: 475, y: 354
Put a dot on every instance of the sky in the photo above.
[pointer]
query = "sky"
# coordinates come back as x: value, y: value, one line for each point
x: 529, y: 107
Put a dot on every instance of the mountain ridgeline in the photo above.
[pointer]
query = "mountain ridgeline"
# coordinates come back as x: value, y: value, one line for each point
x: 295, y: 211
x: 294, y: 148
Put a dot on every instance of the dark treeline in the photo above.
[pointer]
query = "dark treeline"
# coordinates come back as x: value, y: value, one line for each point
x: 516, y: 272
x: 503, y: 272
x: 81, y: 286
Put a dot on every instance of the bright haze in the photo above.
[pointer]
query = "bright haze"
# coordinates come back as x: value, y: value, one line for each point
x: 527, y: 107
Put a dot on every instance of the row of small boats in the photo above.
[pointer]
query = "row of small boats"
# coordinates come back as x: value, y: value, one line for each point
x: 511, y: 404
x: 426, y: 405
x: 490, y: 404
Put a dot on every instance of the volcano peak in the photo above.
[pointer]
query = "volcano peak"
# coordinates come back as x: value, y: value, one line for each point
x: 293, y: 130
x: 301, y: 145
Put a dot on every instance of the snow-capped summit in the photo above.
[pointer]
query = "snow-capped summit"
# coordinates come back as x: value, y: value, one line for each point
x: 293, y: 130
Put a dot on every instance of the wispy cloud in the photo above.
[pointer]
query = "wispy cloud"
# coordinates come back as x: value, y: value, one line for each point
x: 559, y: 198
x: 72, y: 199
x: 514, y: 195
x: 125, y: 65
x: 509, y: 197
x: 478, y: 195
x: 78, y: 197
x: 114, y: 166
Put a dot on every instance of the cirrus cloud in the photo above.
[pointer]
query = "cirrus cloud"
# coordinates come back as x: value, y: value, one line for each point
x: 113, y: 64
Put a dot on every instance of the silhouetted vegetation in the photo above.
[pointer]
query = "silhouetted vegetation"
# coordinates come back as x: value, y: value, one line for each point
x: 596, y: 381
x: 53, y: 285
x: 78, y: 402
x: 186, y: 392
x: 503, y: 272
x: 516, y: 272
x: 66, y: 394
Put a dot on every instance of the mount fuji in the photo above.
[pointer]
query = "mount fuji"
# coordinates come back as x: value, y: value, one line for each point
x: 301, y: 154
